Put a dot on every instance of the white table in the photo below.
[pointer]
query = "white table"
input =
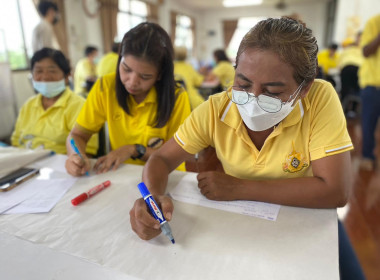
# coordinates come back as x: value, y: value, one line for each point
x: 210, y: 244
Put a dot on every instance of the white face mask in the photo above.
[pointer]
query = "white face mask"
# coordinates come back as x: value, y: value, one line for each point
x: 256, y: 119
x: 50, y: 89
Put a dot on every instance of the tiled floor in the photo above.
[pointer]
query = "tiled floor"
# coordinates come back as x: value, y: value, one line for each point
x: 362, y: 213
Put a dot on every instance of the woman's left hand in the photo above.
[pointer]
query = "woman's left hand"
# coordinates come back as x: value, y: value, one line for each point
x: 114, y: 159
x: 218, y: 186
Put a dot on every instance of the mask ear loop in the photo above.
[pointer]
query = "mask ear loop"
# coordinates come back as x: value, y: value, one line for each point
x: 298, y: 90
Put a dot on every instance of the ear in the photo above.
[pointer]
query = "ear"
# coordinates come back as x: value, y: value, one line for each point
x: 67, y: 79
x: 305, y: 89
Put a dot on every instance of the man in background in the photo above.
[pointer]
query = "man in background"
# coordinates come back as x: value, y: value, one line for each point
x: 85, y: 71
x: 369, y: 81
x: 43, y: 34
x: 328, y: 61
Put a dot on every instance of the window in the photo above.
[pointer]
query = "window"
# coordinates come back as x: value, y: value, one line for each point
x: 244, y: 25
x: 184, y: 33
x: 17, y: 22
x: 131, y: 13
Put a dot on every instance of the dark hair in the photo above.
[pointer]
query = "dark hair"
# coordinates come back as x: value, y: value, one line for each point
x: 333, y: 46
x: 57, y: 56
x: 45, y: 6
x: 220, y: 55
x: 290, y: 39
x: 115, y: 47
x: 150, y: 42
x: 89, y: 49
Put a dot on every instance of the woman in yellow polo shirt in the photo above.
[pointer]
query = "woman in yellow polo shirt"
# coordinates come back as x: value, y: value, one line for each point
x: 223, y: 71
x: 280, y: 135
x: 46, y: 119
x: 140, y: 103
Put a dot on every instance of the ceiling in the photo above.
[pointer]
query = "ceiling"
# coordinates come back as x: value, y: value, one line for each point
x: 209, y: 4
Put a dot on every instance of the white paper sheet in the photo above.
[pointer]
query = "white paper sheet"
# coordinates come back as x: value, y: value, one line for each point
x: 187, y: 191
x: 37, y: 195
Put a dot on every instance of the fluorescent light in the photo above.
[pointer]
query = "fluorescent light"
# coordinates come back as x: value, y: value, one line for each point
x: 238, y: 3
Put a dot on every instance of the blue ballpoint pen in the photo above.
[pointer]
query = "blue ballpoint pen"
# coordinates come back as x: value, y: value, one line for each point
x: 156, y: 211
x: 76, y: 150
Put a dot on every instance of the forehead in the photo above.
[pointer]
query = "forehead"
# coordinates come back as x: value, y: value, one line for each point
x: 139, y: 65
x: 46, y: 62
x: 264, y: 65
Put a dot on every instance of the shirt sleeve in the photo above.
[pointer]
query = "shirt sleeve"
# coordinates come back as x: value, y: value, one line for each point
x: 93, y: 114
x: 369, y: 33
x: 74, y: 110
x: 195, y: 133
x: 15, y: 138
x: 328, y: 133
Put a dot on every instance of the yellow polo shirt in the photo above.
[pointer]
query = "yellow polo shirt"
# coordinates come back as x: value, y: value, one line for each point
x: 101, y: 106
x: 316, y: 128
x: 107, y: 64
x: 225, y: 72
x: 83, y: 70
x: 351, y: 55
x: 327, y: 62
x: 369, y: 72
x: 49, y: 128
x: 184, y: 71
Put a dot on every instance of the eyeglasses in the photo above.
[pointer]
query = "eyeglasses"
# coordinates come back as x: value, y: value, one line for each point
x: 269, y: 103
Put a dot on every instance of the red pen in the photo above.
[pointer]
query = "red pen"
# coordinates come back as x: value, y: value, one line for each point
x: 86, y: 195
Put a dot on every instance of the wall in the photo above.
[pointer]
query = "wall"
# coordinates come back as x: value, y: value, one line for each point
x: 82, y: 30
x: 312, y: 14
x: 347, y: 9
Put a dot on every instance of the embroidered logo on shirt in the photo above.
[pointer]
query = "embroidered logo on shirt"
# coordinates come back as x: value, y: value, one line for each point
x: 294, y: 161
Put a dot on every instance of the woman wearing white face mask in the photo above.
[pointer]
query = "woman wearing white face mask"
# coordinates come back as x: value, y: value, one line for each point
x: 45, y: 120
x: 280, y: 135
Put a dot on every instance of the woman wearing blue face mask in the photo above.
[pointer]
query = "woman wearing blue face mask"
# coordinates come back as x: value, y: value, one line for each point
x: 46, y: 119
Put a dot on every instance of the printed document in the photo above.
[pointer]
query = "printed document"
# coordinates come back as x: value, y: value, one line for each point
x: 187, y: 191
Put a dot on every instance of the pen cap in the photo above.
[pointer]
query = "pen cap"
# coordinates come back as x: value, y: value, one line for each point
x: 79, y: 199
x: 143, y: 189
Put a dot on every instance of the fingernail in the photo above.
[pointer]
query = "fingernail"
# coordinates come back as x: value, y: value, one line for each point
x: 168, y: 216
x: 157, y: 226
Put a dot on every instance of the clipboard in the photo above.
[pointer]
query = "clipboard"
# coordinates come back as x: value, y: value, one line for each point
x: 16, y: 177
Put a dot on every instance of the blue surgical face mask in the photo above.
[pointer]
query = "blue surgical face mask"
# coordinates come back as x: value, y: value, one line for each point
x: 50, y: 89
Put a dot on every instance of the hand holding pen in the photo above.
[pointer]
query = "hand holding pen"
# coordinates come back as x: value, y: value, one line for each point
x: 142, y: 221
x: 77, y: 164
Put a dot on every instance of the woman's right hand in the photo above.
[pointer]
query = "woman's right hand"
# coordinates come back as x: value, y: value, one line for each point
x: 77, y: 166
x: 143, y: 223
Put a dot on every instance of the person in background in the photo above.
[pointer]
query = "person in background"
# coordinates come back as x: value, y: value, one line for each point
x: 43, y: 33
x: 45, y: 120
x: 328, y: 61
x: 108, y: 63
x: 223, y: 72
x: 280, y: 134
x: 186, y: 73
x: 369, y: 81
x: 85, y: 71
x: 349, y: 62
x: 140, y: 102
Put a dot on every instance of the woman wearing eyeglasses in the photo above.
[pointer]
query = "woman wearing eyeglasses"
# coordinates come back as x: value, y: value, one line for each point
x: 280, y: 134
